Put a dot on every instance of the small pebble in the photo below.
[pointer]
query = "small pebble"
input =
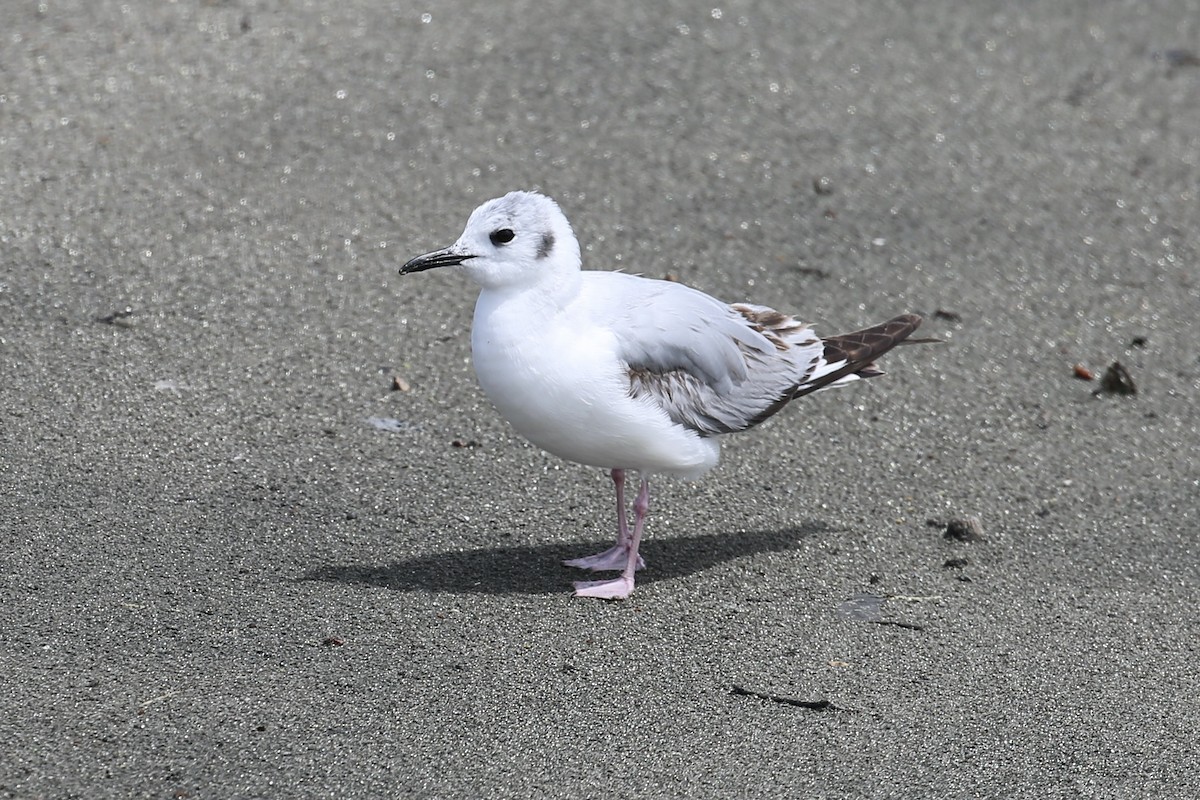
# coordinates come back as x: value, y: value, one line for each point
x: 964, y: 529
x: 119, y: 318
x: 1117, y: 380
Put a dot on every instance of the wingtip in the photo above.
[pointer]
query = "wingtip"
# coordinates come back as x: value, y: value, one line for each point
x: 912, y: 322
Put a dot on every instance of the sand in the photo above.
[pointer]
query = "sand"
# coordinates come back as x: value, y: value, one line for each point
x: 235, y: 562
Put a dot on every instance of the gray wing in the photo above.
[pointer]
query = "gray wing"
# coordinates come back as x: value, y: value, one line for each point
x: 717, y: 368
x: 712, y: 367
x: 665, y: 327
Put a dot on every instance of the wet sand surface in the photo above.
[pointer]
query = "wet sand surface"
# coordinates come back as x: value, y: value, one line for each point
x: 237, y: 562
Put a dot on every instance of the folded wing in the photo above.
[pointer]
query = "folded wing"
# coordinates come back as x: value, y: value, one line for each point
x: 716, y: 368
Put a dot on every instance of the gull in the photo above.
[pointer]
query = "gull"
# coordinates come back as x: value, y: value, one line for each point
x: 627, y: 373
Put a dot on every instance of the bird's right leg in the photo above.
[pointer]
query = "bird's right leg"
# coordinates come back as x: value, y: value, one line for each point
x: 621, y: 587
x: 614, y: 557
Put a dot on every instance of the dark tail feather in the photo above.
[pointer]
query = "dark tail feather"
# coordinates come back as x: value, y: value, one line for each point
x: 860, y: 349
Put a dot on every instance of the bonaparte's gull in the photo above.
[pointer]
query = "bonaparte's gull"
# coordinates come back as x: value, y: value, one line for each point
x: 629, y: 373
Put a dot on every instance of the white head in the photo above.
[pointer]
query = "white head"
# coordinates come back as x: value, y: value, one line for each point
x: 514, y: 241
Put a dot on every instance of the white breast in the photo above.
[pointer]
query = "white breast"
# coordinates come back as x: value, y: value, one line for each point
x: 557, y: 380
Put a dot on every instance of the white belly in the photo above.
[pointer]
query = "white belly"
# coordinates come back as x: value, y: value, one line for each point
x: 562, y: 388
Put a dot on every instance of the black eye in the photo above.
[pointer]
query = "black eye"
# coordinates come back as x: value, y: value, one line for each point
x: 502, y: 236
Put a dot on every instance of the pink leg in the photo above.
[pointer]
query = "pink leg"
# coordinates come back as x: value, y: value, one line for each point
x: 620, y: 588
x: 615, y: 556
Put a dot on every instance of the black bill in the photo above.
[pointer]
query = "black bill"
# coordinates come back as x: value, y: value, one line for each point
x: 438, y: 258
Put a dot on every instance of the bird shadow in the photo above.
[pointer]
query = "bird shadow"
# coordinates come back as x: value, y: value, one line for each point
x: 538, y: 569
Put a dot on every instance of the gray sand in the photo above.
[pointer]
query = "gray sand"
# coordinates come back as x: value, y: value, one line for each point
x: 219, y: 579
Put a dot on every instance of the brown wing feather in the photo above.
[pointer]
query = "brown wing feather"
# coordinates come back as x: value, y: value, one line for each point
x: 773, y: 377
x: 860, y: 349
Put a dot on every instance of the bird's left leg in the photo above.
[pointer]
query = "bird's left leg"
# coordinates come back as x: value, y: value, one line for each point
x: 620, y: 588
x: 615, y: 556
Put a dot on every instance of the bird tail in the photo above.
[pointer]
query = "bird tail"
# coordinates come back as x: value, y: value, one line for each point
x: 851, y: 356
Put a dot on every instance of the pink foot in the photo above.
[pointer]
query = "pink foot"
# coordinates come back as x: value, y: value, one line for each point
x: 614, y: 557
x: 615, y: 589
x: 626, y: 549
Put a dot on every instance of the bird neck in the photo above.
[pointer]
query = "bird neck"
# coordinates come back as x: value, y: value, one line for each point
x: 549, y: 291
x: 524, y: 308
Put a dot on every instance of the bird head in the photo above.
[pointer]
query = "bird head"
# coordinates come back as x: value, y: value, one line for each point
x: 517, y: 240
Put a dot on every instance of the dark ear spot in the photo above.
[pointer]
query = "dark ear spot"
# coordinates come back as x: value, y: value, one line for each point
x: 546, y: 246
